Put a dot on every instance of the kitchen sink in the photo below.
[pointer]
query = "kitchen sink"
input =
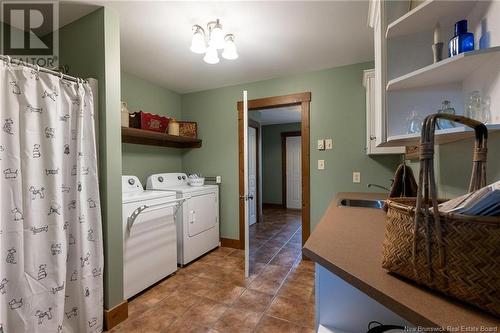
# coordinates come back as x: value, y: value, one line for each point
x: 361, y: 203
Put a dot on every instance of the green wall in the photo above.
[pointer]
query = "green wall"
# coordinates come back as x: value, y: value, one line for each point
x: 271, y: 161
x: 140, y: 160
x: 337, y: 111
x: 453, y: 165
x: 90, y: 47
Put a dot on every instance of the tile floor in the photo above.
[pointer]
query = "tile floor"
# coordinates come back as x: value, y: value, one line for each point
x: 213, y: 295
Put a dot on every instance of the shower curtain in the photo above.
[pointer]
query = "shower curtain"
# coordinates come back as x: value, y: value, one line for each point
x: 51, y: 257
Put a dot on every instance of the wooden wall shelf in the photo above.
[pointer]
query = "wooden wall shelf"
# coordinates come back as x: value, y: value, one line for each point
x: 150, y: 138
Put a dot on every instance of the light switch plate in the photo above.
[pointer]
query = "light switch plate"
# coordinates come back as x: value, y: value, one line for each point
x: 321, y: 164
x: 321, y: 144
x: 328, y: 144
x: 356, y: 177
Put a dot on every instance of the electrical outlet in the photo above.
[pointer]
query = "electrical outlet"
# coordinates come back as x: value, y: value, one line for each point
x: 321, y: 164
x: 321, y: 144
x: 328, y: 144
x: 356, y: 177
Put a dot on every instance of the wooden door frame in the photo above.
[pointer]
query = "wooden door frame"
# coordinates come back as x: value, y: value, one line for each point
x: 285, y: 135
x: 303, y: 100
x: 252, y: 123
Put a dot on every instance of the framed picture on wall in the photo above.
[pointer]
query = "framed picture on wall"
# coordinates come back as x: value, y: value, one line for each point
x: 188, y: 129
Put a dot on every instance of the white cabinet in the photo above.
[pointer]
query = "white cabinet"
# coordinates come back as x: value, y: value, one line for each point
x: 374, y: 118
x: 408, y: 80
x: 340, y: 307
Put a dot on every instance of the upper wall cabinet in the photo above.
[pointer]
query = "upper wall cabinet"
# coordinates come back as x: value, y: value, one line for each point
x: 413, y: 86
x: 372, y: 114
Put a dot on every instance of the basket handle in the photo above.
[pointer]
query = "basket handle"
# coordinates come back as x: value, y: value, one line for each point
x: 427, y: 193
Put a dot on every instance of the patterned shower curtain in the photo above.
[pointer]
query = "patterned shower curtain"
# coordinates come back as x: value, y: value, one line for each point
x: 51, y: 257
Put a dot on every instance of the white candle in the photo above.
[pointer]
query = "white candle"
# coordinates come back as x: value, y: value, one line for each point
x: 437, y: 33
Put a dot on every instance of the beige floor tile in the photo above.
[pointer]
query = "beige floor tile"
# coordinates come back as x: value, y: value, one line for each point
x: 182, y: 326
x: 252, y: 300
x: 296, y: 290
x: 200, y: 286
x: 237, y: 321
x: 265, y: 285
x: 225, y: 293
x: 270, y: 324
x: 205, y: 313
x: 293, y: 310
x: 179, y: 302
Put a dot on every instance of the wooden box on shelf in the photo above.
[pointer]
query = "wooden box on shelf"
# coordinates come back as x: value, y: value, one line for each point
x: 188, y: 129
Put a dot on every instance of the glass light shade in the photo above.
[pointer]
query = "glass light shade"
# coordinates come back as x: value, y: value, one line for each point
x: 230, y: 52
x: 217, y: 37
x: 211, y: 57
x: 198, y: 43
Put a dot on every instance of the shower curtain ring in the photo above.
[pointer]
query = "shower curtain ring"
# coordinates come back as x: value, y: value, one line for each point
x: 37, y: 69
x: 61, y: 75
x: 8, y: 61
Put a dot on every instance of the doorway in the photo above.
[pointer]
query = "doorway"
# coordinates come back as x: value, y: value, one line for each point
x: 302, y: 201
x: 291, y: 170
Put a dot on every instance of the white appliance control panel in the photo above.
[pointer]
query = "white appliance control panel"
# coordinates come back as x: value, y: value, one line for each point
x: 164, y: 180
x: 131, y: 184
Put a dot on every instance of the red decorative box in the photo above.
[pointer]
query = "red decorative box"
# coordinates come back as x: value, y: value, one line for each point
x: 148, y: 121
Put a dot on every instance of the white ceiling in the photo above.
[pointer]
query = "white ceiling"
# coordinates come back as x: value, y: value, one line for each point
x: 282, y: 115
x: 274, y: 39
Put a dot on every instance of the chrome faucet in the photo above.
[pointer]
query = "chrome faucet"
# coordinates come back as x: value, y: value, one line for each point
x: 379, y: 186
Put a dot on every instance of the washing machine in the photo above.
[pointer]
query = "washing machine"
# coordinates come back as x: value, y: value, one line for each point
x: 149, y: 235
x: 198, y: 218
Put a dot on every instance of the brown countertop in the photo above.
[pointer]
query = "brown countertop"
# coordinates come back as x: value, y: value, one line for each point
x: 348, y: 242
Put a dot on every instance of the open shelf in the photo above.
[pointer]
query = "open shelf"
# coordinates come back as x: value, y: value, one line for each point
x: 450, y: 70
x: 425, y: 16
x: 143, y: 137
x: 441, y: 136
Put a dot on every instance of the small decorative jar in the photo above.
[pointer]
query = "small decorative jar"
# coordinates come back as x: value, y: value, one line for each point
x: 173, y: 127
x: 125, y: 115
x: 445, y: 123
x: 463, y: 41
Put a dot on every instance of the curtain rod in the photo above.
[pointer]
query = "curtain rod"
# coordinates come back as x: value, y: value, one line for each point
x: 18, y: 62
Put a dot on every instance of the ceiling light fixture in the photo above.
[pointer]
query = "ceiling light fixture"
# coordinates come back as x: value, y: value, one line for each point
x: 229, y: 52
x: 198, y: 42
x: 216, y: 40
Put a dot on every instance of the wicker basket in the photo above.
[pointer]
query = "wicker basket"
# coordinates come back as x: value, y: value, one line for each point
x: 456, y: 254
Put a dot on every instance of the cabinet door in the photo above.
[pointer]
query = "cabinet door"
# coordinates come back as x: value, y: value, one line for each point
x: 372, y: 125
x: 375, y: 82
x: 379, y: 81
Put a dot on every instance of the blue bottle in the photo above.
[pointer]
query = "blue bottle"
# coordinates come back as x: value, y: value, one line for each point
x: 463, y: 41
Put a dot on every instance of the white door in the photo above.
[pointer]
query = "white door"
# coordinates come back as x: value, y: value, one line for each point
x: 245, y: 196
x: 293, y: 172
x: 252, y: 175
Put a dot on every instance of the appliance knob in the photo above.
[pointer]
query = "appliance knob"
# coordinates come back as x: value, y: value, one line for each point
x: 131, y: 181
x: 160, y: 179
x: 179, y: 177
x: 183, y: 177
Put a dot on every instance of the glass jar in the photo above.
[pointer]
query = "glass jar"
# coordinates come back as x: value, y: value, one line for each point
x: 448, y: 109
x: 124, y: 115
x: 478, y: 108
x: 414, y: 123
